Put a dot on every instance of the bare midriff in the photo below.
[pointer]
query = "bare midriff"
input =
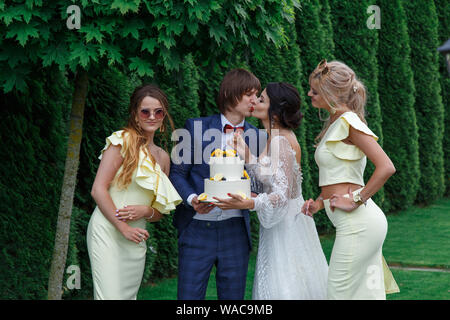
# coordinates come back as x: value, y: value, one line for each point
x: 339, y: 188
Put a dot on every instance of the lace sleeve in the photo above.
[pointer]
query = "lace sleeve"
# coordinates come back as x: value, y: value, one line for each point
x: 277, y: 170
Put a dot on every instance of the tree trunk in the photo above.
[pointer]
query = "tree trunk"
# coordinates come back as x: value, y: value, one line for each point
x: 68, y: 188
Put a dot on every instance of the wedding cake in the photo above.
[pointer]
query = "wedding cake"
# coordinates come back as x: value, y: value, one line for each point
x: 227, y: 175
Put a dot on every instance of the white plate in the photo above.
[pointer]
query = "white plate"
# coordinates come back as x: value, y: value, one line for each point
x: 208, y: 201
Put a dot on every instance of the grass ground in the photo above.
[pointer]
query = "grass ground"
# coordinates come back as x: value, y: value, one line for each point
x: 417, y: 237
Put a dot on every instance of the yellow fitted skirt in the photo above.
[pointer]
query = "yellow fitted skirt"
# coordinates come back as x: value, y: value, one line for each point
x: 117, y: 263
x: 357, y: 270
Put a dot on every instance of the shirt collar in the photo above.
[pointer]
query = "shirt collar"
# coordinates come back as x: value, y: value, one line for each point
x: 225, y: 121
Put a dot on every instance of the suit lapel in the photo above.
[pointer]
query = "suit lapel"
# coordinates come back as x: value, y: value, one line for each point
x: 214, y: 124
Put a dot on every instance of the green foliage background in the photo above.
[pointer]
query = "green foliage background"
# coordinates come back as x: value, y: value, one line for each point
x: 396, y: 90
x: 33, y: 135
x: 422, y: 22
x: 443, y: 12
x: 186, y: 48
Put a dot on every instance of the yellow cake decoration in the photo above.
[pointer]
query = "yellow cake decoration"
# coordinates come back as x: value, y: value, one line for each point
x: 217, y: 153
x: 230, y: 153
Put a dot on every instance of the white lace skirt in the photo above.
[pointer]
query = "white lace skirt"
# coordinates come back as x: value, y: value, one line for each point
x: 291, y: 264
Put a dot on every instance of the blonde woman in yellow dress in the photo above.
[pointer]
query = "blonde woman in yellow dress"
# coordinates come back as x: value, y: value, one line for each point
x: 130, y: 188
x: 357, y: 269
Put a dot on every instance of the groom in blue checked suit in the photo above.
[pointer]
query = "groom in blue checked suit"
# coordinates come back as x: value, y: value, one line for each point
x: 207, y: 235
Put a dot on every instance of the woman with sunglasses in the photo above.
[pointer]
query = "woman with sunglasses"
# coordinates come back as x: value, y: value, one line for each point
x: 357, y: 269
x: 130, y: 188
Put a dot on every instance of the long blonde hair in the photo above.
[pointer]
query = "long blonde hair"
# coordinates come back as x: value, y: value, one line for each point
x: 134, y: 138
x: 337, y: 84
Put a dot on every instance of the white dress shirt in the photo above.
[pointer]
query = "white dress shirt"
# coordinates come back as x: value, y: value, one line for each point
x: 218, y: 214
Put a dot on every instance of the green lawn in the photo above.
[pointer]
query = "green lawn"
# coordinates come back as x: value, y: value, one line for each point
x: 420, y: 236
x: 416, y: 237
x: 421, y: 285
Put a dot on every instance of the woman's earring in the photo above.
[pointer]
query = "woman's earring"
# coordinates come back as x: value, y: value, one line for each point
x: 332, y: 108
x: 162, y: 128
x: 320, y: 116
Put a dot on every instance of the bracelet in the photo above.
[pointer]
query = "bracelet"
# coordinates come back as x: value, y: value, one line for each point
x: 358, y: 199
x: 320, y: 198
x: 153, y: 213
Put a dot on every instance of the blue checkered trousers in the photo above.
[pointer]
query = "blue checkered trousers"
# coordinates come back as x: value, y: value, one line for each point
x: 204, y: 244
x: 225, y: 244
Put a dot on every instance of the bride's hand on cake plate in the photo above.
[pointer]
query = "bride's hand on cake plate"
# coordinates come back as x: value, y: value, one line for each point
x: 235, y: 202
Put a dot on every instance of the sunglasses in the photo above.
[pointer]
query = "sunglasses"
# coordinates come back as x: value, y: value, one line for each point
x: 159, y: 114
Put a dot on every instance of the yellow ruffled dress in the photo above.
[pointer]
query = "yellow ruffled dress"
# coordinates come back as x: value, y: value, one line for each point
x: 357, y: 267
x: 117, y: 263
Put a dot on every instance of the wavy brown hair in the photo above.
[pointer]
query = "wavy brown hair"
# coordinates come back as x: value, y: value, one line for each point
x: 234, y: 85
x: 134, y: 138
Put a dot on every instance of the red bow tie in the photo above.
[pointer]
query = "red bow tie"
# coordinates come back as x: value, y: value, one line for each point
x: 228, y: 127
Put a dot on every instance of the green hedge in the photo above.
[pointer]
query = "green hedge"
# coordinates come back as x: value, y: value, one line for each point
x: 396, y: 90
x: 33, y: 135
x: 422, y: 25
x: 443, y: 12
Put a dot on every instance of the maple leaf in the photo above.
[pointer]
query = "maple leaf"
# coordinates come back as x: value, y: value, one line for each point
x: 112, y: 52
x: 141, y: 66
x: 92, y: 32
x: 22, y: 32
x: 149, y: 45
x: 83, y: 53
x: 125, y: 6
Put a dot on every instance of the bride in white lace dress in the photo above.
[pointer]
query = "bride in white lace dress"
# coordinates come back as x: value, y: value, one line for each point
x: 290, y: 263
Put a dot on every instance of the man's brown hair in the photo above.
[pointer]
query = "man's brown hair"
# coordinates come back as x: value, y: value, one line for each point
x: 235, y: 84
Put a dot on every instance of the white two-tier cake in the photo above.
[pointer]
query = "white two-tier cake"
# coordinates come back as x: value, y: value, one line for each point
x: 227, y: 175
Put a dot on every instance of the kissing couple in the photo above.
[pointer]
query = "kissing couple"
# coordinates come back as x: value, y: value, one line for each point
x: 290, y: 262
